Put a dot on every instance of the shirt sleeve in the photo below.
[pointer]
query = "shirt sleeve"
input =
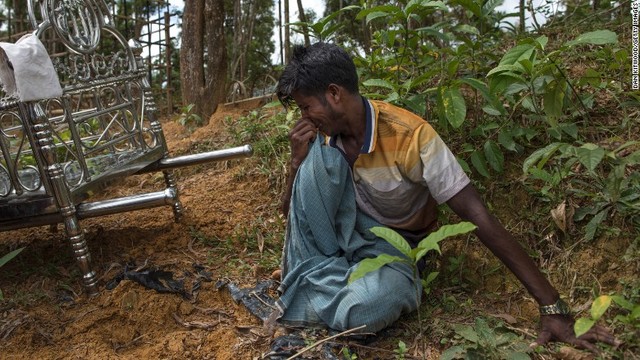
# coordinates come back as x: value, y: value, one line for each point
x: 435, y: 165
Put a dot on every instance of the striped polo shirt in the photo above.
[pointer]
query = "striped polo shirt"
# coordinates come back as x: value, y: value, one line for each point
x: 404, y: 168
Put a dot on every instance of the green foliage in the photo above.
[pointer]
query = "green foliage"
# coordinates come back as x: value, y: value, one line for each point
x: 485, y: 341
x: 5, y: 259
x: 268, y: 134
x: 188, y: 118
x: 607, y: 180
x: 8, y: 257
x: 410, y: 256
x: 400, y: 351
x: 600, y: 306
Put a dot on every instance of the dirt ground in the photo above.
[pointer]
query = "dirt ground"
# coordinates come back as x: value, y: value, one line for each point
x: 46, y: 315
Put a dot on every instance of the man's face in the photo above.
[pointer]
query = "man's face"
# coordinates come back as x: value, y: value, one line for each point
x: 321, y: 113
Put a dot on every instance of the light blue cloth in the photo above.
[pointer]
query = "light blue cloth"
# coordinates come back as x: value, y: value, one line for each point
x: 326, y: 237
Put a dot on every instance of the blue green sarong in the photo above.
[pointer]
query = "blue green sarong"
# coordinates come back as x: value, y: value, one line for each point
x: 326, y: 238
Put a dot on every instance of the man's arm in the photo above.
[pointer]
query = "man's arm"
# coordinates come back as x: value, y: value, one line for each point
x: 302, y: 133
x: 469, y: 206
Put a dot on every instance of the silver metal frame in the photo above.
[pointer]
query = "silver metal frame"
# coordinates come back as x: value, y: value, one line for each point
x: 55, y: 153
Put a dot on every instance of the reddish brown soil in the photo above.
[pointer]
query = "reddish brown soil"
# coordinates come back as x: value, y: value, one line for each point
x: 45, y: 314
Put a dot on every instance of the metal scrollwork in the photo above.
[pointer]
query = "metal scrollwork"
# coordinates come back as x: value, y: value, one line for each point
x: 77, y: 24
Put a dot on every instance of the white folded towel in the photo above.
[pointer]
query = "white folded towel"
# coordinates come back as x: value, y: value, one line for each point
x: 26, y: 71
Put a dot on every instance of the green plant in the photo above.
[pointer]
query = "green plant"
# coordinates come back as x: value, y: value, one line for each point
x: 605, y: 179
x: 598, y: 308
x: 188, y: 118
x: 485, y: 341
x: 401, y: 350
x: 348, y: 355
x: 411, y: 256
x: 5, y: 259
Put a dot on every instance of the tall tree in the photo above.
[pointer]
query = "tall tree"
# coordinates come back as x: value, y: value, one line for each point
x: 203, y: 56
x: 287, y: 35
x: 249, y: 29
x: 303, y: 20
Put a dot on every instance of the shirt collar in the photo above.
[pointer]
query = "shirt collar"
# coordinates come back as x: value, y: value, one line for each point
x: 371, y: 120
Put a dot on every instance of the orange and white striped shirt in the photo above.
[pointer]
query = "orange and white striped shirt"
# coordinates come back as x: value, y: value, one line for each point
x: 404, y: 168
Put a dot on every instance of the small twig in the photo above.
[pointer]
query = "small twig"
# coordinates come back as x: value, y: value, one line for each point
x: 325, y: 340
x: 254, y: 294
x: 379, y: 350
x: 522, y: 331
x: 190, y: 247
x: 195, y: 324
x: 209, y: 311
x: 142, y: 266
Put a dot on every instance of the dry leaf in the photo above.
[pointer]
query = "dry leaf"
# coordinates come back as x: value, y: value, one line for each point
x: 559, y: 216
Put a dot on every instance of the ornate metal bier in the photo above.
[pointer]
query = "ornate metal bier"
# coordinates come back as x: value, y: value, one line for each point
x: 55, y: 153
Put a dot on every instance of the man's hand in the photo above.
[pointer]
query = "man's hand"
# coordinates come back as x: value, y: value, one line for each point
x: 302, y: 133
x: 560, y: 328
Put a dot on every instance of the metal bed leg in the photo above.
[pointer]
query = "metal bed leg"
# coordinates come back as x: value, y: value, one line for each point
x: 177, y: 205
x: 45, y: 146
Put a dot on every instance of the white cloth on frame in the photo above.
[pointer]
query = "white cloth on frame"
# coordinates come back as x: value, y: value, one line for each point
x: 26, y: 70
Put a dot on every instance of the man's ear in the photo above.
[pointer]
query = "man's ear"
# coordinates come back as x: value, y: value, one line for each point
x: 334, y: 93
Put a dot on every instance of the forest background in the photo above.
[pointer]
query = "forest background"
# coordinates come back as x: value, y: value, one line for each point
x: 550, y: 107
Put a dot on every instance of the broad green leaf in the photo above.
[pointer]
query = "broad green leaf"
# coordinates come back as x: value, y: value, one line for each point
x: 505, y: 138
x: 463, y: 164
x: 542, y: 41
x: 470, y: 5
x: 590, y: 155
x: 483, y: 89
x: 432, y: 276
x: 598, y: 37
x: 622, y: 302
x: 582, y: 325
x: 466, y: 332
x: 468, y: 29
x: 499, y: 82
x: 554, y: 98
x: 379, y: 83
x: 490, y: 110
x: 516, y: 355
x: 414, y: 5
x: 368, y: 265
x: 494, y: 155
x: 541, y: 156
x: 490, y: 5
x: 592, y: 225
x: 6, y: 258
x: 454, y: 352
x: 600, y: 306
x: 453, y: 105
x: 431, y: 241
x: 510, y: 68
x: 393, y: 238
x: 416, y: 103
x: 388, y: 9
x: 393, y: 97
x: 516, y: 53
x: 480, y: 163
x: 376, y: 15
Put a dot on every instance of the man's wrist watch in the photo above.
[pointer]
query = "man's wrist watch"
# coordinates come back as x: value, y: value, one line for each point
x: 558, y: 308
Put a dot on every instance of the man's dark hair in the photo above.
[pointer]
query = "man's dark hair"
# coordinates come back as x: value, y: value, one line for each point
x: 313, y: 68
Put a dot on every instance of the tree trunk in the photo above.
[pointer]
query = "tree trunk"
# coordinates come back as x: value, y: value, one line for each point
x: 287, y: 40
x: 280, y: 31
x: 522, y: 9
x: 203, y: 56
x: 303, y: 19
